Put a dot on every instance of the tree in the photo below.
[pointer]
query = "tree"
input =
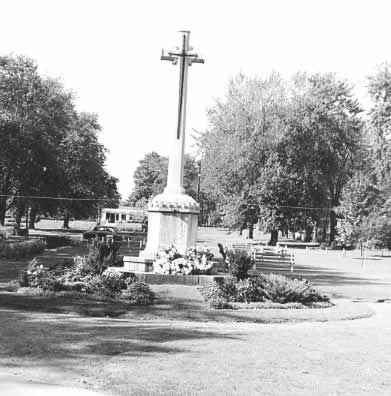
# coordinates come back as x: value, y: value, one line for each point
x: 150, y: 178
x: 48, y: 149
x: 366, y: 203
x: 287, y: 146
x: 244, y: 129
x: 323, y: 139
x: 32, y: 121
x: 85, y: 178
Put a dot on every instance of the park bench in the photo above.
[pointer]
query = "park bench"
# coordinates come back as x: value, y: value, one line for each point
x: 299, y: 245
x: 267, y: 258
x: 248, y: 246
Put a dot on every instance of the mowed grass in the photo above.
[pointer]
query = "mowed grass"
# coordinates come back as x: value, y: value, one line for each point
x: 179, y: 347
x: 156, y: 357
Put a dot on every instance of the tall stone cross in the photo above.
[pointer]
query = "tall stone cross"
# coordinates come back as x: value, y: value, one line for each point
x: 176, y: 161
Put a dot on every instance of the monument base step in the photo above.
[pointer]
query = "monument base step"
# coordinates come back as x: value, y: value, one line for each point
x: 137, y: 264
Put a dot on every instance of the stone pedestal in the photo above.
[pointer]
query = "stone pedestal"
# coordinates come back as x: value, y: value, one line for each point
x: 172, y: 220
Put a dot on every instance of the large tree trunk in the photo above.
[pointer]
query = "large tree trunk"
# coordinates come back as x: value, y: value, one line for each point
x: 273, y: 238
x: 242, y: 227
x: 19, y: 211
x: 251, y: 231
x: 315, y: 233
x: 26, y: 214
x: 3, y: 209
x: 333, y: 224
x: 308, y: 233
x: 33, y: 216
x: 3, y: 200
x: 66, y: 220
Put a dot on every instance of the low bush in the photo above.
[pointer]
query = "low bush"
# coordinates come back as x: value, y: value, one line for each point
x: 21, y: 249
x: 56, y: 241
x: 107, y: 285
x: 250, y: 290
x: 38, y: 276
x: 110, y: 283
x: 281, y: 289
x: 239, y: 263
x: 220, y: 294
x: 263, y: 288
x: 139, y: 293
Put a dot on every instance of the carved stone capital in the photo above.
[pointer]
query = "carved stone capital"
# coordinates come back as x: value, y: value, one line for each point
x: 168, y: 202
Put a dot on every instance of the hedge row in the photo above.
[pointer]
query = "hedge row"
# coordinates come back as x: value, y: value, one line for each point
x: 16, y: 250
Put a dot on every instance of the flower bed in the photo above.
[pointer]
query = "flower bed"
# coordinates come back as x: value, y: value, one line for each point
x: 87, y: 276
x: 269, y: 288
x: 193, y: 262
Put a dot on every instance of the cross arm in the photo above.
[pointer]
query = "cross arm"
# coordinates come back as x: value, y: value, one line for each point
x: 197, y: 60
x: 169, y: 57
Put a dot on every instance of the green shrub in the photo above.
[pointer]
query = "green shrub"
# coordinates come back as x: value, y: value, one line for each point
x: 220, y: 303
x: 21, y: 249
x: 101, y: 255
x: 263, y: 288
x: 104, y: 285
x: 281, y: 289
x: 249, y: 290
x: 239, y: 263
x: 40, y: 277
x: 139, y: 293
x: 55, y: 241
x: 219, y: 294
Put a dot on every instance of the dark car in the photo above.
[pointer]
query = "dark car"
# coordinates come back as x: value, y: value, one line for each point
x: 102, y: 232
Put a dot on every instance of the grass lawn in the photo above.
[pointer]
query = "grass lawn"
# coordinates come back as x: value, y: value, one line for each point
x: 180, y: 347
x: 128, y: 356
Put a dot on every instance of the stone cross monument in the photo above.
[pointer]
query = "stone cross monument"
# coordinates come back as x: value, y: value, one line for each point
x: 173, y: 215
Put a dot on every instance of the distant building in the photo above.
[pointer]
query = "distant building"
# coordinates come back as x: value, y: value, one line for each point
x: 123, y: 217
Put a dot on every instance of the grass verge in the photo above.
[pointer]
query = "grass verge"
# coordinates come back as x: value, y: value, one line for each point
x: 178, y: 303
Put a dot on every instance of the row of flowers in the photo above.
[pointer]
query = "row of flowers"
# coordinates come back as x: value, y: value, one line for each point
x: 193, y: 262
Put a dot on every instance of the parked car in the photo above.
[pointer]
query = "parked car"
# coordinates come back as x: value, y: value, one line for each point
x: 102, y: 232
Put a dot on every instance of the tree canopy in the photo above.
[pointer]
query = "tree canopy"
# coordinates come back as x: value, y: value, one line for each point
x: 48, y: 148
x: 284, y: 145
x: 150, y: 178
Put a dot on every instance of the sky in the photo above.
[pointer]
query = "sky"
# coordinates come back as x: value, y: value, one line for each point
x: 108, y: 53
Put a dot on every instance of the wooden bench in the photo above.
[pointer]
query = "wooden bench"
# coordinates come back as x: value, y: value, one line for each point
x: 299, y: 245
x: 242, y: 246
x: 267, y: 256
x: 248, y: 246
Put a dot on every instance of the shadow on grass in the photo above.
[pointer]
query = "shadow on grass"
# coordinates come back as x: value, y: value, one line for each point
x: 54, y: 340
x: 166, y: 308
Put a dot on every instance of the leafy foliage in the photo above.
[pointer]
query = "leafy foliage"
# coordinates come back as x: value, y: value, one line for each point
x: 239, y: 263
x: 15, y: 250
x: 271, y: 288
x: 365, y: 205
x: 150, y: 178
x: 281, y: 145
x: 139, y: 293
x: 85, y: 280
x: 48, y: 148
